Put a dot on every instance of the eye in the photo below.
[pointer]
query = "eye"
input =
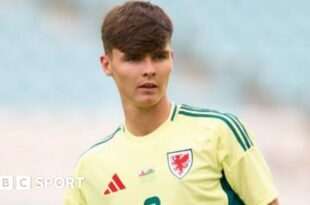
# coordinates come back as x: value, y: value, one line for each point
x: 159, y: 57
x: 133, y: 58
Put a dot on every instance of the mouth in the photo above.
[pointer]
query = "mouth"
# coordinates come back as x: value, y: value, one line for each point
x: 148, y: 86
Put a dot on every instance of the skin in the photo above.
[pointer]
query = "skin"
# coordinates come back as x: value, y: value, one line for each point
x: 275, y: 202
x: 145, y: 109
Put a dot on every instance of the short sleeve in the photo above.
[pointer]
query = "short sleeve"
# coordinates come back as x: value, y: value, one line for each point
x: 243, y: 164
x: 74, y: 195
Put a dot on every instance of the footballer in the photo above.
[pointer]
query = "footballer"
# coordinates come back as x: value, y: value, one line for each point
x: 164, y: 153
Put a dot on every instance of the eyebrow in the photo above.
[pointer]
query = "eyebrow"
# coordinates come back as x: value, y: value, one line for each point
x: 127, y: 55
x: 163, y: 52
x: 160, y: 52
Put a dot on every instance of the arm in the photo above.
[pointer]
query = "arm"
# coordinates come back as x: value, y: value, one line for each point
x: 74, y: 195
x: 274, y: 202
x: 245, y: 168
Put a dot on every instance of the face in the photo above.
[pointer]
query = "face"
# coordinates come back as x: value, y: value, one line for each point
x: 141, y: 79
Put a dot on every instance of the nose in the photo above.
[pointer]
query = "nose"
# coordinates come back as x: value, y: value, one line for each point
x: 149, y: 70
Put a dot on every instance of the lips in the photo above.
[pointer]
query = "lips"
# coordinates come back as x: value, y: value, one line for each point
x: 148, y: 85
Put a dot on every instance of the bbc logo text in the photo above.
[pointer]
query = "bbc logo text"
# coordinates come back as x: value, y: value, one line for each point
x: 28, y: 182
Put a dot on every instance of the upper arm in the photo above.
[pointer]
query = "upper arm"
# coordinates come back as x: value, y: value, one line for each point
x: 244, y: 166
x: 74, y: 195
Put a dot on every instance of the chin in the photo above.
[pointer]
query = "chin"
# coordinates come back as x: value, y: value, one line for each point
x: 148, y: 101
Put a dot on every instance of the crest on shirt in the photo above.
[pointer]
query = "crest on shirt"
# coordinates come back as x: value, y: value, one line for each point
x: 180, y: 162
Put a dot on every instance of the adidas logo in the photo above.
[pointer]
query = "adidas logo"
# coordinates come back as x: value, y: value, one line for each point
x: 115, y: 185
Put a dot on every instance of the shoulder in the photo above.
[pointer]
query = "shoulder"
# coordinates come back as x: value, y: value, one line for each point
x: 205, y: 117
x: 105, y: 139
x: 101, y: 145
x: 224, y: 126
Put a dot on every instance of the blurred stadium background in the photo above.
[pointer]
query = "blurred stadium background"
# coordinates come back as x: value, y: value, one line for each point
x: 246, y: 57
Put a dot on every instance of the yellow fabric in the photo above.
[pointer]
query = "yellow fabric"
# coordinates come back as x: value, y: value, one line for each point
x: 215, y: 150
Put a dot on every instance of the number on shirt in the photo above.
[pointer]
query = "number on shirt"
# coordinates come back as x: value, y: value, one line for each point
x: 154, y: 200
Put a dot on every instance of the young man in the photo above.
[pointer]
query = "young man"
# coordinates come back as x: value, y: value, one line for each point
x: 164, y: 153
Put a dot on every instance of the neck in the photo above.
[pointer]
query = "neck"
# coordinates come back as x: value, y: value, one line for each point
x: 141, y: 121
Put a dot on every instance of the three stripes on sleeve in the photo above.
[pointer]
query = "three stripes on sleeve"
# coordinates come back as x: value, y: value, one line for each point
x: 230, y: 120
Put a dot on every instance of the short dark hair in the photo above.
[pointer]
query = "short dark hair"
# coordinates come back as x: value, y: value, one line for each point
x: 136, y: 27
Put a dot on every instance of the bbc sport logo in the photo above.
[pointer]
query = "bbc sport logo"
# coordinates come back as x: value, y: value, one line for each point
x: 28, y: 182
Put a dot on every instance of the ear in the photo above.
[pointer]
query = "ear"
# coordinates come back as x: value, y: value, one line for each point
x: 105, y: 62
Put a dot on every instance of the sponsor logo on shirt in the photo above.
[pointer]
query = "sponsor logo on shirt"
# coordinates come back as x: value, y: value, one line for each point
x: 180, y: 162
x: 115, y: 185
x: 146, y: 175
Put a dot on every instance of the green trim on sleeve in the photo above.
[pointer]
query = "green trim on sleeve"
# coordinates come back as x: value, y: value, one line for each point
x: 190, y: 108
x: 244, y: 131
x: 232, y: 196
x: 228, y: 123
x: 106, y: 138
x: 241, y: 129
x: 232, y: 122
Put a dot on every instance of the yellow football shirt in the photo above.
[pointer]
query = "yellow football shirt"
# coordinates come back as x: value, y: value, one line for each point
x: 196, y: 157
